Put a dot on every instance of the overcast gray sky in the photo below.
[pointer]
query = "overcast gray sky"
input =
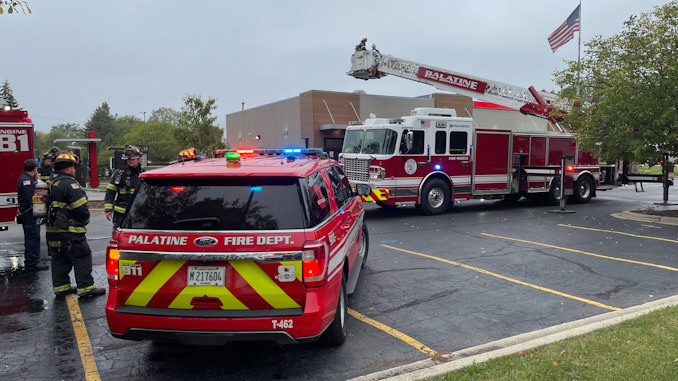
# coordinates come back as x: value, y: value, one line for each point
x: 69, y: 56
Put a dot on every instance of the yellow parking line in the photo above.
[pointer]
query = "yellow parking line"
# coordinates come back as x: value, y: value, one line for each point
x: 585, y: 252
x: 84, y: 345
x: 393, y: 332
x: 507, y: 278
x: 615, y: 232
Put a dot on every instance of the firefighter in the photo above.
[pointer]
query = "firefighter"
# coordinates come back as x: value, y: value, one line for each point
x: 66, y: 230
x: 361, y: 45
x: 122, y: 186
x: 25, y: 190
x: 46, y: 168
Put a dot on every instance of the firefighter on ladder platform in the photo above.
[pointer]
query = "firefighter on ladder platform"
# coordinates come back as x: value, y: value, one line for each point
x: 122, y: 186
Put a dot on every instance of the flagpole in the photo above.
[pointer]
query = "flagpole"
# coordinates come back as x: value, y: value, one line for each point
x: 579, y: 48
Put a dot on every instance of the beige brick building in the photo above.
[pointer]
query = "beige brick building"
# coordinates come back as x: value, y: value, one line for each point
x: 318, y: 118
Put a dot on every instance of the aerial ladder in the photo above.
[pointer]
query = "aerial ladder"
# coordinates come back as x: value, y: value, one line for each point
x: 371, y: 64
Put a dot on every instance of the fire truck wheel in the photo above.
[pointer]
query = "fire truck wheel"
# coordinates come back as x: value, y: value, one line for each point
x: 335, y: 334
x: 553, y: 197
x: 435, y: 197
x: 364, y: 246
x: 583, y: 189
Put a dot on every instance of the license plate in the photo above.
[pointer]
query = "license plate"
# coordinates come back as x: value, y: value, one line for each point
x: 206, y: 276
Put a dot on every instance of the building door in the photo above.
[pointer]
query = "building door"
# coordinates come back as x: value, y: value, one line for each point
x: 333, y: 147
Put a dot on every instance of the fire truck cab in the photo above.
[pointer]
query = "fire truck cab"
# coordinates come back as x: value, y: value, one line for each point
x: 432, y: 158
x: 16, y: 146
x: 255, y: 245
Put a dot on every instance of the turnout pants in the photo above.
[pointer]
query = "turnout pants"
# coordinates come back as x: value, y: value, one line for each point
x: 117, y: 220
x: 72, y: 253
x: 31, y: 240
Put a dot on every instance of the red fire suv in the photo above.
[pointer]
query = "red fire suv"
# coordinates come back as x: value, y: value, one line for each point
x: 258, y: 245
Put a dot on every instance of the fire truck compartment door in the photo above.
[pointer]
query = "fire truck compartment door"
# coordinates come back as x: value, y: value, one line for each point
x: 492, y: 162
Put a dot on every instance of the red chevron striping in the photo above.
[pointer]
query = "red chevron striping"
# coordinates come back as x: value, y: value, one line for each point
x: 129, y: 283
x: 169, y: 291
x: 243, y: 291
x: 294, y: 290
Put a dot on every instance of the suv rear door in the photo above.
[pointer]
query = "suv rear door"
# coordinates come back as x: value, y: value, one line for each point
x: 229, y: 245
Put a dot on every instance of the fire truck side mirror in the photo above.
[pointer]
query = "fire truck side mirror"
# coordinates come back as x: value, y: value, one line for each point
x: 406, y: 142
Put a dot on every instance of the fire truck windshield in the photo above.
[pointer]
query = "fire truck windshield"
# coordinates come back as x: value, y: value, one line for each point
x: 382, y: 141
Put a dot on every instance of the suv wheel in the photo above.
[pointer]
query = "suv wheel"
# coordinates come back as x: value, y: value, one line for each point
x: 335, y: 334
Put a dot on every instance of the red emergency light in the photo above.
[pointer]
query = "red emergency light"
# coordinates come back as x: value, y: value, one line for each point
x: 112, y: 261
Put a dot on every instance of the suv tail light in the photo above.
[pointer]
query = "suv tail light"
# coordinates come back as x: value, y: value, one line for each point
x: 112, y: 257
x: 314, y: 256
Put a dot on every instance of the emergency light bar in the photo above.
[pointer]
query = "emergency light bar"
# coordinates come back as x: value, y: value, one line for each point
x: 318, y: 152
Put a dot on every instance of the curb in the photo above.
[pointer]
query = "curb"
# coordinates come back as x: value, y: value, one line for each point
x: 457, y: 360
x: 628, y: 215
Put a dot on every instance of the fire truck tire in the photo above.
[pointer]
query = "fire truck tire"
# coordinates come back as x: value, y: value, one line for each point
x: 553, y: 196
x: 583, y: 189
x: 335, y: 334
x: 364, y: 246
x: 435, y: 197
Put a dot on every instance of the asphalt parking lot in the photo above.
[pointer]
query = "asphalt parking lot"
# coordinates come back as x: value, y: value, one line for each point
x: 432, y: 285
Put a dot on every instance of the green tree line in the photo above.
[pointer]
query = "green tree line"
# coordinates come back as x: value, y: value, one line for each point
x: 166, y: 132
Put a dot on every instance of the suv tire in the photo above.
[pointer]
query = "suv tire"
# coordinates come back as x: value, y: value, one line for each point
x: 335, y: 334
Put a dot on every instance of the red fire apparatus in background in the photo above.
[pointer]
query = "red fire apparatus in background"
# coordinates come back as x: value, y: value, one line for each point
x: 433, y: 157
x: 16, y: 146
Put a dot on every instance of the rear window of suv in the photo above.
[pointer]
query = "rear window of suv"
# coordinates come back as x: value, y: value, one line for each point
x: 211, y: 204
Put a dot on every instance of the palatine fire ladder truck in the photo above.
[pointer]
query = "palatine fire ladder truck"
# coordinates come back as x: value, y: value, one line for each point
x: 433, y: 157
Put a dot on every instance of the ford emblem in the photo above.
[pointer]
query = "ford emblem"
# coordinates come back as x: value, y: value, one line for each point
x: 205, y: 241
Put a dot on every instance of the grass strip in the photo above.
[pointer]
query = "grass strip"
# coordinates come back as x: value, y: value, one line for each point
x: 644, y: 348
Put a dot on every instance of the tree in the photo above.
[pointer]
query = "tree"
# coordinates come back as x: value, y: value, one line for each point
x: 124, y: 125
x: 7, y: 94
x: 44, y: 141
x: 165, y: 115
x: 14, y: 6
x: 163, y: 147
x: 103, y: 123
x: 196, y: 127
x: 626, y: 89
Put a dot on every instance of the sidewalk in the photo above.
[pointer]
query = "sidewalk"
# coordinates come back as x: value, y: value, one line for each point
x: 95, y: 200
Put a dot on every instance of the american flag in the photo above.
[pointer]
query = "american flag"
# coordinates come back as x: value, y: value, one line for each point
x: 425, y: 123
x: 565, y: 32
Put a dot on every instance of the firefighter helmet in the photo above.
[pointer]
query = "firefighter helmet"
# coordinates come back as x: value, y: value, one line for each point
x: 66, y: 160
x: 131, y: 152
